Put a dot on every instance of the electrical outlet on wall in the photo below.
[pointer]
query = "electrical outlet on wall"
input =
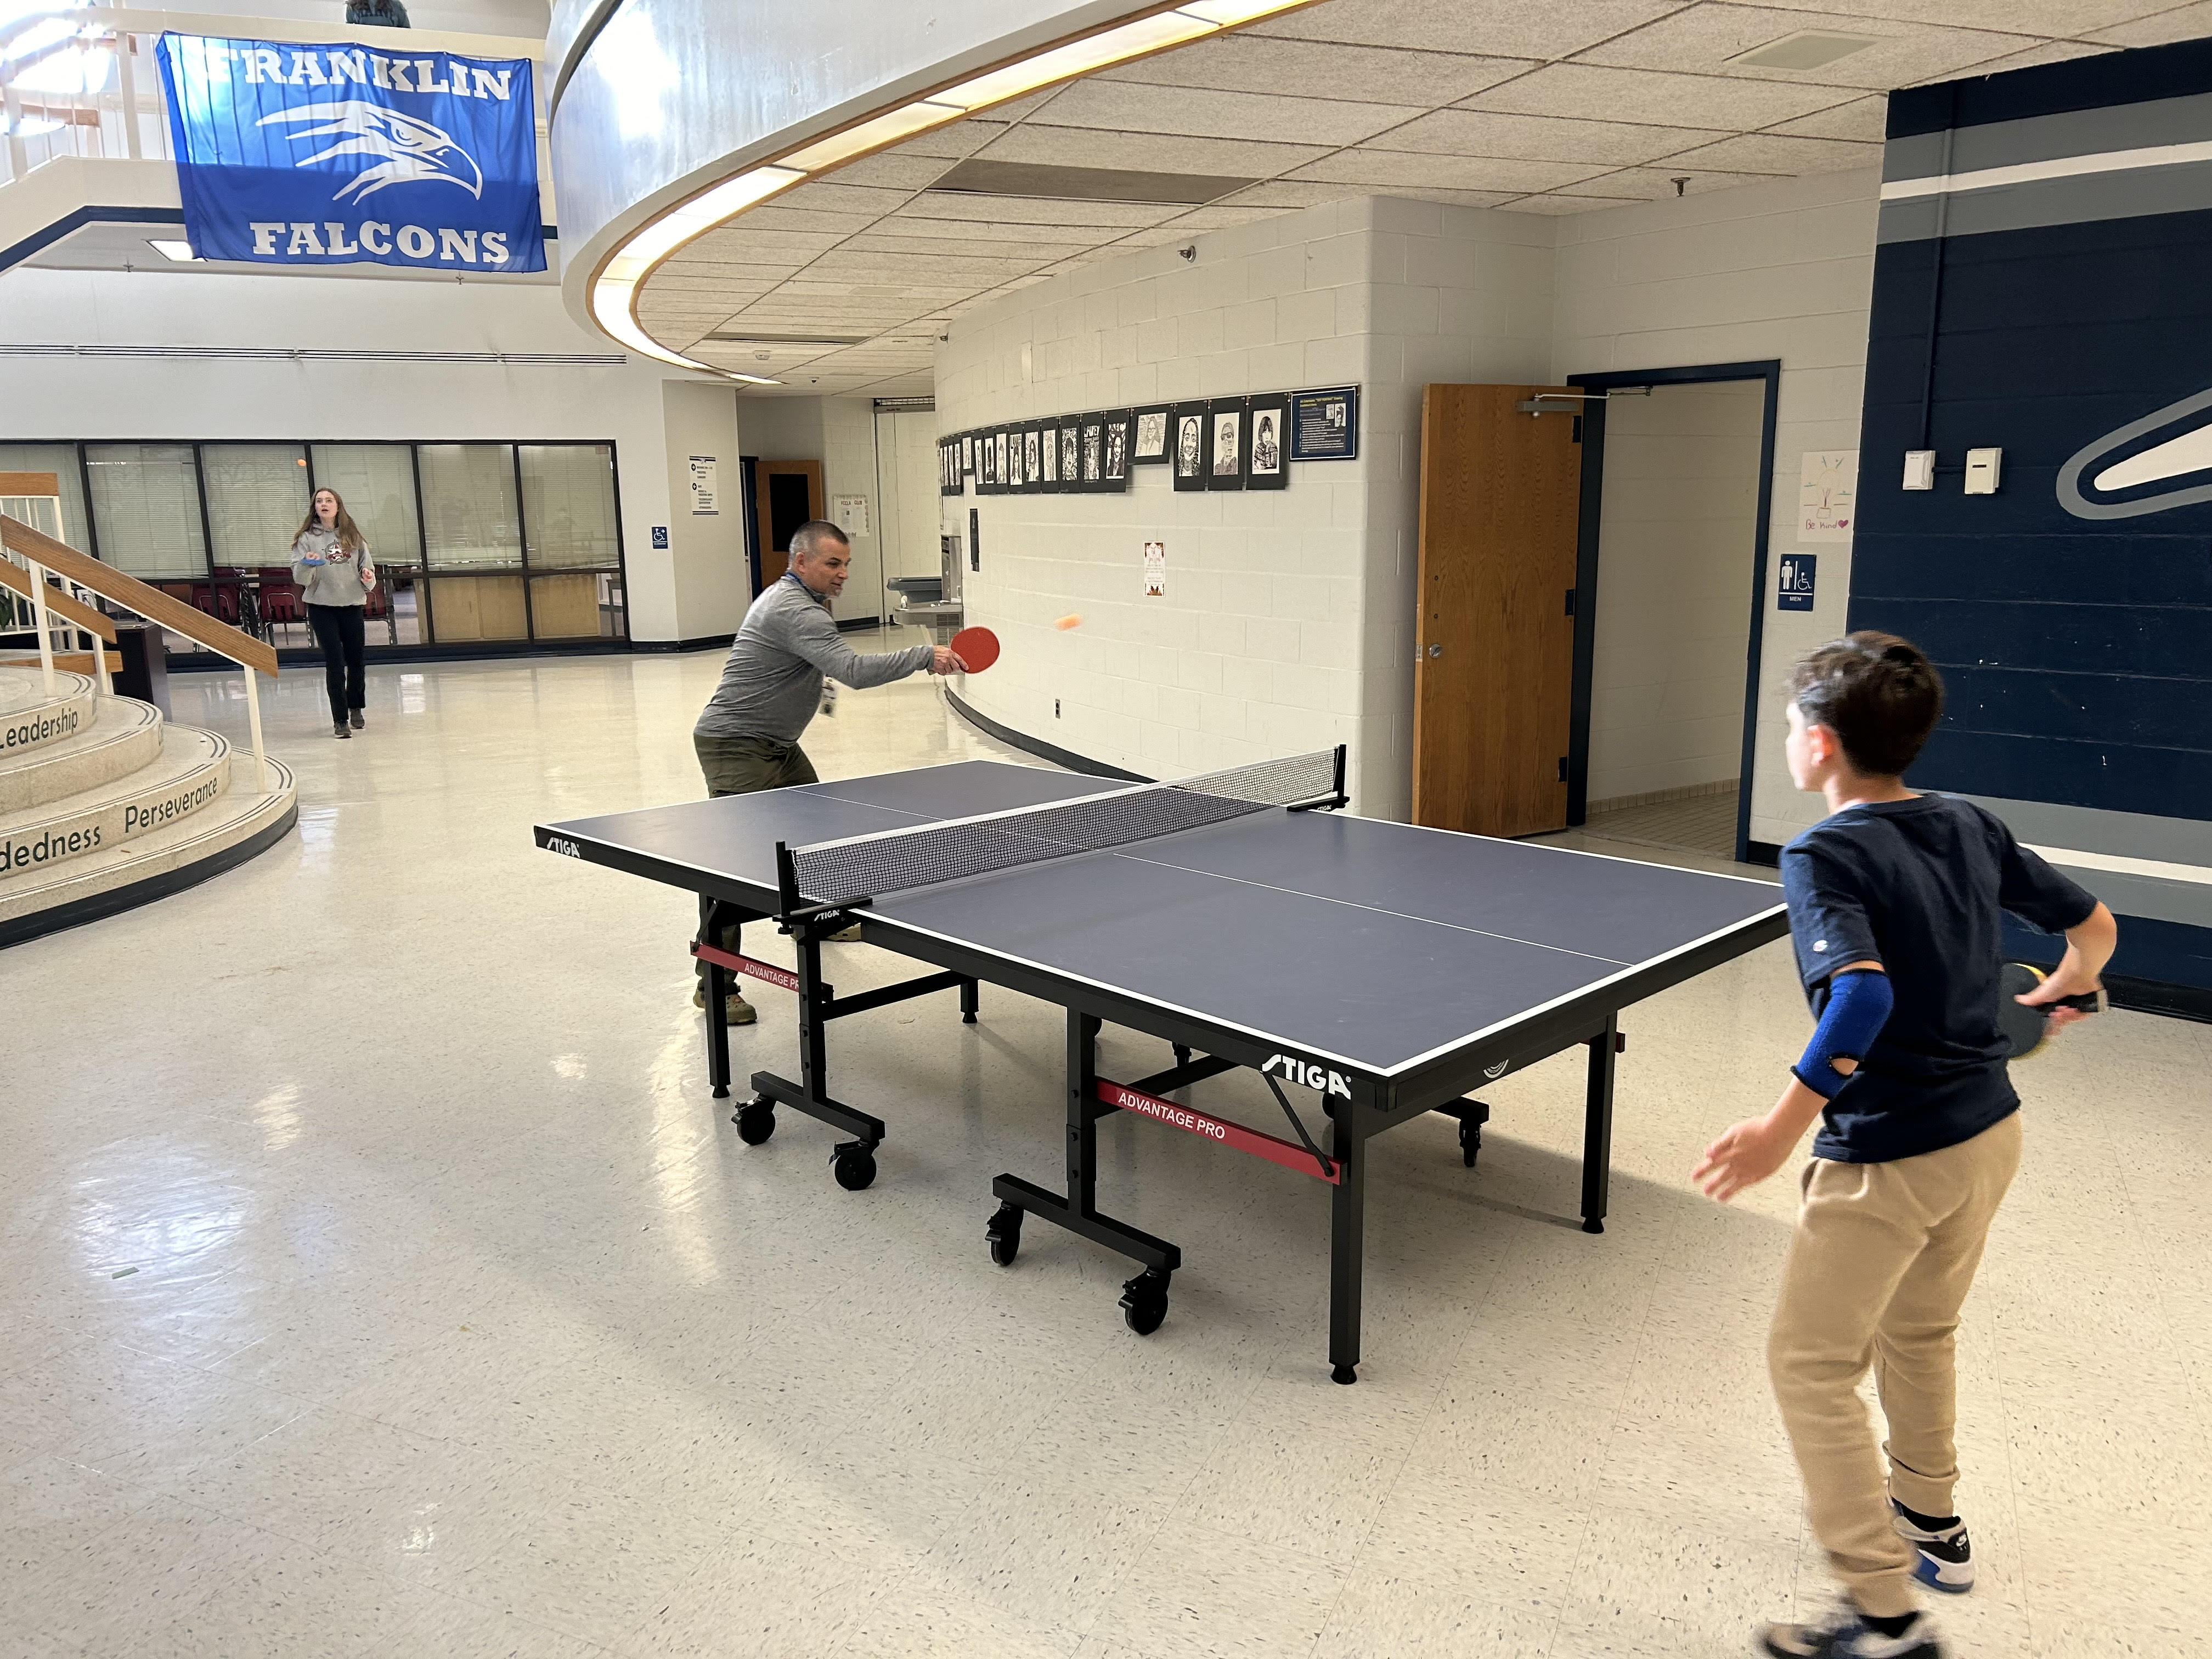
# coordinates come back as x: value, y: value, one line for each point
x: 1056, y: 708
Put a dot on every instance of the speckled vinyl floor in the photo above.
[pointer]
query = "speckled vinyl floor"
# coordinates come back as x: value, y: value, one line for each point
x: 378, y: 1279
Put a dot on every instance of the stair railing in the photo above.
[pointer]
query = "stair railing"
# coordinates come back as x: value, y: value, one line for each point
x: 42, y: 555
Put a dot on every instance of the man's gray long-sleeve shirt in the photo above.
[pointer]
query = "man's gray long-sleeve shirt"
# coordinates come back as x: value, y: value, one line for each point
x: 771, y: 681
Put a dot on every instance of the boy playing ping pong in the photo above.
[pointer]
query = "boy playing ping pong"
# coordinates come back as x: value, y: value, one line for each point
x: 1894, y: 902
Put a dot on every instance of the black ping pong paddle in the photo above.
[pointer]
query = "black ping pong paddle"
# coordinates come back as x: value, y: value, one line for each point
x: 2026, y: 1026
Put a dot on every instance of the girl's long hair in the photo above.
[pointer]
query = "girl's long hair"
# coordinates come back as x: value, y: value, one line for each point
x: 350, y: 536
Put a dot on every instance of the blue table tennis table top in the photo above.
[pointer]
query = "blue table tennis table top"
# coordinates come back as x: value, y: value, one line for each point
x: 1381, y: 945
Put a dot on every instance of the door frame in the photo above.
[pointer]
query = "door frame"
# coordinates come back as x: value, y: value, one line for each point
x: 1587, y: 572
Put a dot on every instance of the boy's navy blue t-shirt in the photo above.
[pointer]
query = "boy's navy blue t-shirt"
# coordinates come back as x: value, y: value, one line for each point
x: 1916, y: 885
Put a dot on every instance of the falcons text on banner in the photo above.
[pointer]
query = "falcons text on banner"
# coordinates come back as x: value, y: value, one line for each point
x: 292, y: 155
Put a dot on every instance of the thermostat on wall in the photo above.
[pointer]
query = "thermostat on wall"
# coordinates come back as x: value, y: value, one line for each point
x: 1982, y: 468
x: 1920, y: 469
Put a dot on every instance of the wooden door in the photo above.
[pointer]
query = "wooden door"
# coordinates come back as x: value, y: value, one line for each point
x: 786, y: 495
x: 1500, y: 500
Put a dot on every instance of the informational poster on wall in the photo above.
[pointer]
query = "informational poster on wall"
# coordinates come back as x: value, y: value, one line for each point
x: 705, y: 502
x: 1156, y: 570
x: 851, y: 514
x: 1827, y: 495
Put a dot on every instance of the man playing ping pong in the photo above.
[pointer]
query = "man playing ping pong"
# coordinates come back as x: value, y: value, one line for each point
x: 1894, y: 904
x: 773, y: 682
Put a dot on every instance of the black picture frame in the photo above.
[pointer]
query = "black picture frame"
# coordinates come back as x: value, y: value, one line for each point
x: 1187, y: 438
x: 1049, y: 457
x: 1266, y: 448
x: 1033, y: 460
x: 1151, y: 440
x: 1228, y: 443
x: 1017, y: 480
x: 1325, y: 423
x: 1071, y: 454
x: 1114, y: 463
x: 1093, y: 452
x: 967, y: 454
x: 999, y: 474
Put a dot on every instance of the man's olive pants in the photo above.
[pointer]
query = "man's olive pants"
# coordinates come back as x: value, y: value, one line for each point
x: 740, y: 765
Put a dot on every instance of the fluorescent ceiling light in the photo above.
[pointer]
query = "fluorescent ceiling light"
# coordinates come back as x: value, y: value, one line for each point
x: 1807, y: 50
x: 180, y: 252
x: 1094, y: 52
x: 917, y: 117
x: 1227, y: 13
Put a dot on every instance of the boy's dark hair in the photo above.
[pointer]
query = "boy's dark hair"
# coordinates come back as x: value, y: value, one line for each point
x: 1877, y: 693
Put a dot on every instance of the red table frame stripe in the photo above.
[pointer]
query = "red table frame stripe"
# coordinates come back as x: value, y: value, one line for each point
x: 1204, y: 1125
x: 747, y: 966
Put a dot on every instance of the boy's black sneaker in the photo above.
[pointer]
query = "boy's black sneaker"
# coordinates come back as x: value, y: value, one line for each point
x: 1947, y: 1559
x: 1843, y: 1634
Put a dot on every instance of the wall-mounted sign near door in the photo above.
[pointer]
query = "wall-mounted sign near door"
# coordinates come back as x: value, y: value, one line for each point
x: 1325, y: 424
x: 974, y: 539
x: 1796, y: 592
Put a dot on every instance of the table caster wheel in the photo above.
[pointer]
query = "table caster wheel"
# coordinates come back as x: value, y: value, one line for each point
x: 1145, y: 1301
x: 755, y: 1120
x: 1470, y: 1143
x: 854, y: 1164
x: 1005, y: 1233
x: 1343, y: 1374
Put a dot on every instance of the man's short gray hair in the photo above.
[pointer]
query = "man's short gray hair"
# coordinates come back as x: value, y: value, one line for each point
x: 809, y: 537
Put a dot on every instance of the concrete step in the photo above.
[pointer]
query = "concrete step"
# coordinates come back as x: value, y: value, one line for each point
x: 238, y: 824
x: 30, y: 718
x: 122, y: 735
x: 189, y: 775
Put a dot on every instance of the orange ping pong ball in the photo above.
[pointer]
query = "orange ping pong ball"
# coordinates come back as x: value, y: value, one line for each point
x: 1066, y: 623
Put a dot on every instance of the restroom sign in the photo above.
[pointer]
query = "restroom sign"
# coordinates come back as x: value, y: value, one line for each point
x: 1797, y: 588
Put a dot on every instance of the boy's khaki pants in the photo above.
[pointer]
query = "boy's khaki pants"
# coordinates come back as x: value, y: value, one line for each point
x: 1881, y: 1259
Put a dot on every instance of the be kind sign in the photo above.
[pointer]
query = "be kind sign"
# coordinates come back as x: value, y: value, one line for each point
x: 291, y: 154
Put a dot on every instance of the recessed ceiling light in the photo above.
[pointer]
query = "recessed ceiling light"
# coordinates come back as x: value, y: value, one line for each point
x: 180, y: 252
x: 1808, y: 49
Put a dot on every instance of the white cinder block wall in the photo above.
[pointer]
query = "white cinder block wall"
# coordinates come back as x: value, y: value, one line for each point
x: 1673, y: 601
x: 1287, y: 624
x: 1782, y: 270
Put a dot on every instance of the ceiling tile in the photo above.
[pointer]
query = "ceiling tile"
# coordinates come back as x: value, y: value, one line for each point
x: 1221, y: 216
x: 2162, y: 28
x: 775, y: 216
x: 949, y: 234
x: 1498, y: 29
x: 1556, y: 205
x: 1030, y: 209
x: 1310, y: 69
x: 1130, y: 106
x: 1542, y: 138
x: 2050, y: 17
x: 754, y: 243
x: 1291, y: 193
x: 1656, y: 184
x: 1586, y: 91
x: 1144, y: 152
x: 1864, y: 119
x: 898, y: 170
x: 2051, y: 52
x: 954, y: 141
x: 842, y: 197
x: 1385, y: 168
x: 944, y: 253
x: 1702, y: 39
x: 1768, y: 152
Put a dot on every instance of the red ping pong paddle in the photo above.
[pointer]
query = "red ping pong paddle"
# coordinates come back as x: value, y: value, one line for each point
x: 977, y: 648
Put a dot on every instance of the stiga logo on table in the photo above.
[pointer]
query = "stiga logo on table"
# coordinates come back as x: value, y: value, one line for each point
x: 1305, y: 1072
x: 339, y: 155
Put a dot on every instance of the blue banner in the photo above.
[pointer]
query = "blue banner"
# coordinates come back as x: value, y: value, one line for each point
x: 326, y: 154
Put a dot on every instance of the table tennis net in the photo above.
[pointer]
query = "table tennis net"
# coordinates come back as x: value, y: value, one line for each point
x: 864, y: 866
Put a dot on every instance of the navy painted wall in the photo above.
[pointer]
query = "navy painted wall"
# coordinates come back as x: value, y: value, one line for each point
x: 2078, y: 653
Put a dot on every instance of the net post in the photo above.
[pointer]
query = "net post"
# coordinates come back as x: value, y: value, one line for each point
x: 786, y: 880
x: 1341, y: 798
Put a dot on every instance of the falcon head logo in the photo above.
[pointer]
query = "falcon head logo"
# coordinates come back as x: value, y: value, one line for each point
x: 409, y: 151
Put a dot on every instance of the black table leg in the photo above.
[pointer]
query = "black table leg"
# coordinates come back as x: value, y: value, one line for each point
x: 1348, y: 1240
x: 1597, y: 1126
x: 718, y: 983
x: 969, y: 1001
x: 853, y: 1162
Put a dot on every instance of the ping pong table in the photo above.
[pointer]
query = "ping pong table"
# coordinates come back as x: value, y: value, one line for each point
x: 1387, y: 969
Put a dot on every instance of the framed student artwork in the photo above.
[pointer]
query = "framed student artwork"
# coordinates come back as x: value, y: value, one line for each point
x: 1148, y: 443
x: 968, y: 455
x: 1048, y: 458
x: 1187, y: 428
x: 1094, y: 451
x: 1032, y: 459
x: 1070, y: 452
x: 1227, y: 444
x: 1115, y: 470
x: 1266, y: 421
x: 999, y: 476
x: 1017, y: 476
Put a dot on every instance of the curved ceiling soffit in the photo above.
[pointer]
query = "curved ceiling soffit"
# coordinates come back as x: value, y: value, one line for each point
x: 605, y: 284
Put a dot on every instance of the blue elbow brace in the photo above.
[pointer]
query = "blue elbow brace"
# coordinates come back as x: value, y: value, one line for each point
x: 1858, y: 1007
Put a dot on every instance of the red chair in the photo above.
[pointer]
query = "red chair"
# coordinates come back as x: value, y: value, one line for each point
x: 218, y: 599
x: 280, y: 596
